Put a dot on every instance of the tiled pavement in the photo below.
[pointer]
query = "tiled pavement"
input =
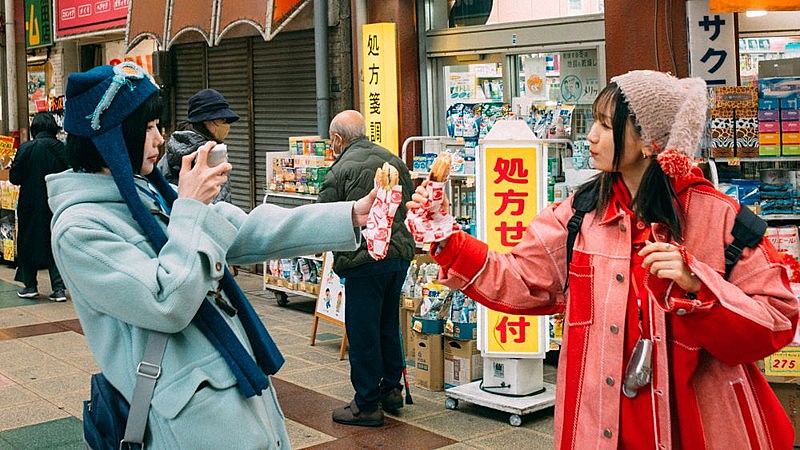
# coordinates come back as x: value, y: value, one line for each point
x: 45, y: 366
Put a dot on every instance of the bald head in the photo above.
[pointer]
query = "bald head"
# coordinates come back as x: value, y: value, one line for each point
x: 349, y: 124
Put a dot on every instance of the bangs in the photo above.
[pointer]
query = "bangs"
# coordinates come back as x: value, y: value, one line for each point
x: 603, y: 108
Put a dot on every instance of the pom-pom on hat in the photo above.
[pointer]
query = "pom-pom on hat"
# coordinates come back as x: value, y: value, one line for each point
x: 671, y: 113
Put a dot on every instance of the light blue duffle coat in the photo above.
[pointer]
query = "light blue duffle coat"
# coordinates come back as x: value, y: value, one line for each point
x: 121, y: 288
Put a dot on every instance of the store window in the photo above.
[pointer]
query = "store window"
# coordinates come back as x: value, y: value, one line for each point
x: 555, y: 92
x: 487, y: 12
x: 474, y: 98
x: 754, y: 50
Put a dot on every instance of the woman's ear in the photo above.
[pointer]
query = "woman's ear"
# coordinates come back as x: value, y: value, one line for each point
x: 647, y: 151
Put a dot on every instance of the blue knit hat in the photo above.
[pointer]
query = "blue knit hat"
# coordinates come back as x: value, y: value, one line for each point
x: 97, y: 102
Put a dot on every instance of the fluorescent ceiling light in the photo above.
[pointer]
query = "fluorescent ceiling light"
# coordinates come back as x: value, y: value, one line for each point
x: 756, y: 13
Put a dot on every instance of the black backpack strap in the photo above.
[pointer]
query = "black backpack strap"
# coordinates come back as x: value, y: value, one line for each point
x: 748, y: 231
x: 585, y: 201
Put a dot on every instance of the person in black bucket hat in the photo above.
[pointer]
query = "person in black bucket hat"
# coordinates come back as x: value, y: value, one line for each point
x: 139, y: 257
x: 209, y: 119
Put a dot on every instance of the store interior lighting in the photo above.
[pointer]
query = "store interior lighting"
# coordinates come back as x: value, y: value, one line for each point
x: 756, y: 13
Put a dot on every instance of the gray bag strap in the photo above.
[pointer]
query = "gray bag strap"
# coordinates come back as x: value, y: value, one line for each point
x: 147, y: 373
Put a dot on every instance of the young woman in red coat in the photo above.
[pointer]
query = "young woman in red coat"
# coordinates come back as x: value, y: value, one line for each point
x: 648, y: 270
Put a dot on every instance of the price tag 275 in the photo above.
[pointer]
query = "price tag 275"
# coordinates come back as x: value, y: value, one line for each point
x: 783, y: 363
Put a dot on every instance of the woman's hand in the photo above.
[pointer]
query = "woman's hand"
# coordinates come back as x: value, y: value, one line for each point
x: 362, y: 206
x: 665, y: 261
x: 420, y: 198
x: 200, y: 182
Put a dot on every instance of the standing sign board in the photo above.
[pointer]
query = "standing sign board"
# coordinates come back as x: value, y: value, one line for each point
x: 379, y: 70
x: 712, y: 45
x: 512, y: 184
x: 330, y: 302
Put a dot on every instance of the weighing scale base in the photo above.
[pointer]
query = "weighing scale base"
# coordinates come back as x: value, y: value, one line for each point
x: 516, y: 406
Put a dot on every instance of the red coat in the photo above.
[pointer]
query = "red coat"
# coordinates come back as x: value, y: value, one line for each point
x: 706, y: 391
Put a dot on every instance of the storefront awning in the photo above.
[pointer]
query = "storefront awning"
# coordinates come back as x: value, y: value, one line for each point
x: 166, y: 20
x: 752, y: 5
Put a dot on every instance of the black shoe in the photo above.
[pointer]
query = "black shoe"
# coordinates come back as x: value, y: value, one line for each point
x: 27, y: 292
x: 351, y: 415
x: 392, y: 400
x: 58, y: 296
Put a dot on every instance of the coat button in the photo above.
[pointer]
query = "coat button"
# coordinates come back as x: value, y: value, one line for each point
x: 680, y: 312
x: 614, y: 329
x: 622, y: 227
x: 620, y: 277
x: 610, y: 381
x: 607, y: 433
x: 218, y: 266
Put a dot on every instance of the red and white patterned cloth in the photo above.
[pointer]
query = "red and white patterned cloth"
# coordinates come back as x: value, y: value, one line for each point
x: 378, y: 232
x: 431, y: 222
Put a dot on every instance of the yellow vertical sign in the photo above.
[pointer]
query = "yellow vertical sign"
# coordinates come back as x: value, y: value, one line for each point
x: 379, y: 70
x: 511, y: 190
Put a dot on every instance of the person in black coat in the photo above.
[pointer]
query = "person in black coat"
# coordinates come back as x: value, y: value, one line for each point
x: 36, y: 158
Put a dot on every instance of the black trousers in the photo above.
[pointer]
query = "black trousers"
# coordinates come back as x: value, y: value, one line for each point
x: 28, y: 276
x: 372, y: 303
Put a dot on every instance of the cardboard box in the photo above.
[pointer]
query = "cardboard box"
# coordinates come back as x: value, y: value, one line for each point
x: 789, y: 396
x: 429, y: 357
x: 463, y: 331
x: 411, y: 303
x: 462, y: 362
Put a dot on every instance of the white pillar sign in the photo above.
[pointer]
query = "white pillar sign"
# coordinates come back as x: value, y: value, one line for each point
x: 712, y: 45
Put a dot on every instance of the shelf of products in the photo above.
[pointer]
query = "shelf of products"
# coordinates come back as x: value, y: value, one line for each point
x: 8, y: 220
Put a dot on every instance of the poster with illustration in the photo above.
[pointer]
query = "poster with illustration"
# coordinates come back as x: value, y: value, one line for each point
x: 37, y: 90
x: 330, y: 302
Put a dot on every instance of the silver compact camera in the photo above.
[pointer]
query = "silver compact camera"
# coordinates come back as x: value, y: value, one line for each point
x: 639, y: 370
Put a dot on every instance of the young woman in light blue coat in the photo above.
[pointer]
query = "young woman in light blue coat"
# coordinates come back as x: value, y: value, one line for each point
x: 137, y: 257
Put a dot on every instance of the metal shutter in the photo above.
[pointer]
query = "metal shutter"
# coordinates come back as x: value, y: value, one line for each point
x: 187, y: 82
x: 228, y: 73
x: 284, y: 100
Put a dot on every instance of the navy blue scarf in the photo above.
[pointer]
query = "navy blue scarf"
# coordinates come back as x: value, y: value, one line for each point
x: 251, y: 375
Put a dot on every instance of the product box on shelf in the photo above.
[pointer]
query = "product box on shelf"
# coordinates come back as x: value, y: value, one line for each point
x: 769, y: 150
x: 769, y: 115
x: 768, y: 103
x: 790, y: 150
x: 429, y: 361
x: 781, y: 88
x: 790, y: 104
x: 790, y: 138
x: 407, y: 333
x: 769, y: 138
x: 790, y: 127
x: 790, y: 115
x: 462, y: 362
x: 736, y: 97
x: 769, y: 127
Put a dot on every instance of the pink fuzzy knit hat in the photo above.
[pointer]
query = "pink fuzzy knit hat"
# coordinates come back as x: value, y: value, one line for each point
x: 671, y: 112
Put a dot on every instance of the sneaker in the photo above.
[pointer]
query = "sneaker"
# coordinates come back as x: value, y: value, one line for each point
x: 392, y: 400
x: 58, y: 296
x: 351, y: 415
x: 28, y: 292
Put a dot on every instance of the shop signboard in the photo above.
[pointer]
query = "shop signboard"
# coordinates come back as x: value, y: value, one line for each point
x: 379, y: 51
x: 749, y: 5
x: 330, y: 301
x: 79, y: 16
x: 38, y: 23
x: 511, y: 185
x: 712, y: 44
x: 579, y: 80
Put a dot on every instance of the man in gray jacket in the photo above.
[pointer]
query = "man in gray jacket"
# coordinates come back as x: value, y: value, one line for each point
x: 372, y: 287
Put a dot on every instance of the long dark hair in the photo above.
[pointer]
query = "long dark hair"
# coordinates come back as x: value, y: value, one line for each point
x: 656, y: 200
x: 84, y: 156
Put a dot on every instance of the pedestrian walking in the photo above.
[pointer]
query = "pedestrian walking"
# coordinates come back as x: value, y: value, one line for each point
x: 36, y: 158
